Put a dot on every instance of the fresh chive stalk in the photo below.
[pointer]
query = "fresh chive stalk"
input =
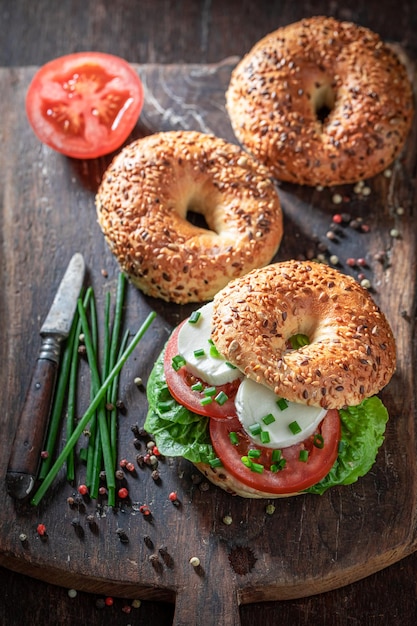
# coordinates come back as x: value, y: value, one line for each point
x: 64, y: 382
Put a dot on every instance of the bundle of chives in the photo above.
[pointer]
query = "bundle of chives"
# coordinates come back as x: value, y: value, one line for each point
x: 97, y: 400
x: 102, y: 423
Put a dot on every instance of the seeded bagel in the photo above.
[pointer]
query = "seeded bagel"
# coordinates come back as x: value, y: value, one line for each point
x: 142, y: 207
x: 351, y: 350
x: 321, y: 102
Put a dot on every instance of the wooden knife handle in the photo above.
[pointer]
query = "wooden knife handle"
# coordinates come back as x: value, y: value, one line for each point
x: 31, y: 430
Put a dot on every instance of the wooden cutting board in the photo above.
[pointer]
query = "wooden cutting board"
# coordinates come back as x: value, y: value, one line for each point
x: 309, y: 544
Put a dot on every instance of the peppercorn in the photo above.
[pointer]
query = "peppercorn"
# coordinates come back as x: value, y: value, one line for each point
x: 79, y: 530
x: 91, y: 521
x: 41, y: 530
x: 123, y: 493
x: 82, y: 490
x: 155, y: 475
x: 122, y: 535
x: 120, y: 405
x: 174, y: 498
x: 166, y: 557
x: 140, y: 460
x: 145, y: 510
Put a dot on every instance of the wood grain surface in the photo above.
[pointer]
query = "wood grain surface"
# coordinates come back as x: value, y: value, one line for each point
x: 310, y: 544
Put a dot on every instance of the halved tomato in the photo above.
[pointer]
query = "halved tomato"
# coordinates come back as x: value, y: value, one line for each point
x: 295, y: 475
x: 85, y: 104
x: 180, y: 381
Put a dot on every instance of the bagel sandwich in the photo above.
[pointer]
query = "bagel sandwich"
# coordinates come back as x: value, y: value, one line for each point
x: 270, y: 390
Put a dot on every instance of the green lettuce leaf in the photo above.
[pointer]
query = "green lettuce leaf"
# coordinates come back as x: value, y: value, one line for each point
x: 177, y: 431
x: 363, y: 429
x: 180, y: 432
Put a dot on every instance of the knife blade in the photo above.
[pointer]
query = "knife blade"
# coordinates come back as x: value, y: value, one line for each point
x: 33, y: 421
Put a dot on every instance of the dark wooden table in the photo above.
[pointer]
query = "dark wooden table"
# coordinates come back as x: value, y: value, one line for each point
x: 193, y: 31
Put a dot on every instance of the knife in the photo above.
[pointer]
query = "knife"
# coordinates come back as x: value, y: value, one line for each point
x: 32, y: 427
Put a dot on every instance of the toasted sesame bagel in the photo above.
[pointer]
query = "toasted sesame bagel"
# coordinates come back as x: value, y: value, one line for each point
x: 351, y: 350
x: 321, y: 102
x: 142, y: 207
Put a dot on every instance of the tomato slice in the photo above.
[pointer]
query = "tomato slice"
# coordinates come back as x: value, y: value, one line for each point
x: 85, y: 104
x: 179, y: 383
x: 296, y: 475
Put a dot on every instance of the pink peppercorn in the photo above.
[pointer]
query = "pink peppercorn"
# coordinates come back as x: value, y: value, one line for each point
x: 83, y: 490
x: 109, y: 601
x: 144, y: 509
x: 123, y: 493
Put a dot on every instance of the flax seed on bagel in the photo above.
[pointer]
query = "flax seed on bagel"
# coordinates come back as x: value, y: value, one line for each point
x: 142, y: 207
x: 321, y: 102
x: 351, y: 350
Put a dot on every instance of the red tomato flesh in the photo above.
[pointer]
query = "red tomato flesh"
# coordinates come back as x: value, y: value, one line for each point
x: 296, y: 475
x: 179, y: 384
x: 84, y: 105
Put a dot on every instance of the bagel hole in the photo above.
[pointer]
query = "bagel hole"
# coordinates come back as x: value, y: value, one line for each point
x: 323, y: 102
x: 196, y: 219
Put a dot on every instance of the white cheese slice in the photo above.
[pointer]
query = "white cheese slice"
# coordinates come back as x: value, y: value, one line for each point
x: 194, y: 337
x: 254, y: 402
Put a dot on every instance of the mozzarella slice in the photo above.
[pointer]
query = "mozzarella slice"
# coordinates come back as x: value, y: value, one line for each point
x: 257, y: 405
x: 194, y: 337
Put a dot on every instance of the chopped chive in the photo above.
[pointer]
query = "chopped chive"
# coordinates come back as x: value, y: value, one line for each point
x: 194, y: 317
x: 255, y: 429
x: 233, y: 438
x: 282, y: 404
x: 276, y: 456
x: 199, y: 353
x: 303, y: 456
x: 232, y: 367
x: 295, y: 427
x: 253, y: 453
x: 265, y: 438
x: 216, y: 462
x: 210, y: 391
x: 268, y: 419
x: 298, y: 341
x: 197, y: 386
x: 214, y: 353
x: 206, y: 400
x: 257, y: 467
x: 246, y: 461
x: 221, y: 398
x: 279, y: 465
x: 318, y: 440
x: 178, y: 362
